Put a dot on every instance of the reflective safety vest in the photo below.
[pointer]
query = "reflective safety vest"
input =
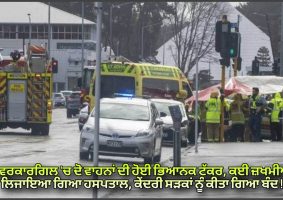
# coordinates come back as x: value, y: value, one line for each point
x: 237, y: 114
x: 253, y: 102
x: 213, y: 106
x: 277, y: 103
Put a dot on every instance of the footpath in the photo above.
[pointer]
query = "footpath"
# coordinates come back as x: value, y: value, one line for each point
x: 218, y: 154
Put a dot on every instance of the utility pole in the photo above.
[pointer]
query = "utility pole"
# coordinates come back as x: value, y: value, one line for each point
x: 83, y: 16
x: 196, y: 104
x: 49, y: 32
x: 97, y: 92
x: 281, y: 42
x: 29, y: 28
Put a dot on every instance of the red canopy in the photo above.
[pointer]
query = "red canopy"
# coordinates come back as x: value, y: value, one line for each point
x: 204, y: 95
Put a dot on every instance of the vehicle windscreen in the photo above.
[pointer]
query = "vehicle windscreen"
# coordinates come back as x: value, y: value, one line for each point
x: 66, y: 94
x: 160, y: 88
x: 116, y: 84
x: 88, y: 73
x: 164, y: 107
x: 124, y: 111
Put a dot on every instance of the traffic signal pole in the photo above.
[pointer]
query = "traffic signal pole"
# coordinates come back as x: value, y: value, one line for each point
x: 222, y: 106
x: 235, y: 66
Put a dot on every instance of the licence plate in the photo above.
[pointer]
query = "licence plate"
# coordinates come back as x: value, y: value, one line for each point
x: 112, y: 143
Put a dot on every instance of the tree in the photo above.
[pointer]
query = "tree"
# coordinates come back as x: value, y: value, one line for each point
x: 194, y: 22
x: 263, y: 57
x: 273, y: 11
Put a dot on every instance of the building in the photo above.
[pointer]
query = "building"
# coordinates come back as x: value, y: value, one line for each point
x: 66, y: 37
x: 252, y: 38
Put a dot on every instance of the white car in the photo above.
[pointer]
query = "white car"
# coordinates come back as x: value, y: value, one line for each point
x: 162, y: 106
x: 58, y: 99
x: 128, y: 127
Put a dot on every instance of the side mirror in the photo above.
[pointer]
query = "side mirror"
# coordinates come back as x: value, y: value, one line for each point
x: 159, y: 122
x: 163, y: 114
x: 79, y: 83
x: 182, y: 94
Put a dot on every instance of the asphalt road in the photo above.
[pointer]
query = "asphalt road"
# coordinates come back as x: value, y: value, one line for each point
x: 61, y: 147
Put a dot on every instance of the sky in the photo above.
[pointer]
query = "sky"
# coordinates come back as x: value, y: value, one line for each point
x: 236, y: 3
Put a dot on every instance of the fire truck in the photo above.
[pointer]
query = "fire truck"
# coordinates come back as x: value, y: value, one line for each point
x: 26, y: 90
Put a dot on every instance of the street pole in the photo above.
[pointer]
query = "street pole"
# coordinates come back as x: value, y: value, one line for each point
x: 83, y: 16
x: 281, y: 42
x: 235, y: 66
x: 29, y: 29
x: 49, y: 32
x: 196, y: 107
x: 110, y: 24
x: 97, y: 92
x: 142, y: 43
x: 222, y: 105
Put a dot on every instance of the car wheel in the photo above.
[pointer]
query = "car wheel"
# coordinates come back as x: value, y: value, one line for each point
x: 84, y: 155
x: 69, y: 114
x: 148, y: 160
x: 157, y: 158
x: 184, y: 143
x: 35, y: 131
x: 45, y: 130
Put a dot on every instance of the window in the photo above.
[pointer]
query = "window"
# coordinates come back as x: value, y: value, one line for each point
x: 116, y: 84
x: 124, y: 111
x: 187, y: 87
x: 160, y: 87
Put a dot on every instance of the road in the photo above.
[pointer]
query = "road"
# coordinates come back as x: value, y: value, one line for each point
x: 61, y: 147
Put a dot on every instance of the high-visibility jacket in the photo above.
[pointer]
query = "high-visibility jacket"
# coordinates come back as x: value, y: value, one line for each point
x: 276, y: 106
x: 237, y: 114
x: 213, y: 107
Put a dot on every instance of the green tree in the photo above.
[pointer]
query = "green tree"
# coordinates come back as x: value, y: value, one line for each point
x: 263, y: 57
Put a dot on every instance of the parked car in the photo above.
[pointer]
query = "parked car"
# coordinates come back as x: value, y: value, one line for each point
x: 58, y: 99
x: 128, y: 127
x: 73, y: 104
x: 162, y: 105
x: 83, y: 115
x: 66, y: 93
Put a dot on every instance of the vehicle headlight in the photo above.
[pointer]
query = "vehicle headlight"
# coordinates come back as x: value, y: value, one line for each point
x: 142, y: 133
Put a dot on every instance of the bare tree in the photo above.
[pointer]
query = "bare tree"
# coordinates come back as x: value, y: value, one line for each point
x: 194, y: 28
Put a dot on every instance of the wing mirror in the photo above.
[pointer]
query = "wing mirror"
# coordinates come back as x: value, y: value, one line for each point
x: 159, y: 122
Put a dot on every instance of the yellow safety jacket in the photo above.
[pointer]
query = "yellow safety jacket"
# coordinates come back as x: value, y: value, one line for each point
x: 277, y: 103
x: 237, y: 114
x: 213, y: 106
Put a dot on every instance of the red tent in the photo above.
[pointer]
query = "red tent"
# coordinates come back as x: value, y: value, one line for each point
x: 204, y: 95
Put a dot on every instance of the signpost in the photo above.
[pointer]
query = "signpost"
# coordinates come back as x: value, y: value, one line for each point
x: 177, y: 119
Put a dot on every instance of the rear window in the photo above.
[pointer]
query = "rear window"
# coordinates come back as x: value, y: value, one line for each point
x: 58, y: 95
x: 75, y: 95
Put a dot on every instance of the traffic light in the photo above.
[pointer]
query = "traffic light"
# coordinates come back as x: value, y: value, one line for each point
x: 235, y: 42
x: 275, y: 68
x: 239, y: 63
x: 54, y: 66
x: 255, y: 67
x: 222, y: 41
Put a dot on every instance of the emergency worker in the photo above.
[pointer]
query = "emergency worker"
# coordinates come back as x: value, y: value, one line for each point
x: 237, y: 109
x: 274, y: 106
x: 213, y: 110
x: 256, y: 106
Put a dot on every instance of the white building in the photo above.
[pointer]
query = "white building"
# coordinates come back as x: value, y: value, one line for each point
x: 66, y: 37
x: 252, y: 38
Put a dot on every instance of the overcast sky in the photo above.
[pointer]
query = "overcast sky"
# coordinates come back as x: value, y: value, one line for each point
x: 236, y: 3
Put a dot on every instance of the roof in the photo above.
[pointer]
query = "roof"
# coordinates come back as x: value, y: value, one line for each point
x: 125, y: 100
x: 16, y: 12
x: 166, y: 101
